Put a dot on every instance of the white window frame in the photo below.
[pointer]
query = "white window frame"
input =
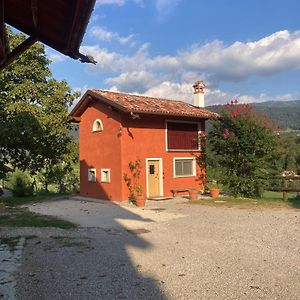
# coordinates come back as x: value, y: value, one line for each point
x: 193, y: 166
x: 103, y: 176
x: 187, y: 122
x: 95, y: 126
x: 90, y: 179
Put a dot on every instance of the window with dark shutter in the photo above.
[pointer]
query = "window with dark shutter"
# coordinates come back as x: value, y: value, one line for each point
x: 182, y: 136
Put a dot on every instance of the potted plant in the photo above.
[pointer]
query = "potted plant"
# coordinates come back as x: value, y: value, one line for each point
x: 214, y: 189
x: 193, y: 194
x: 139, y: 199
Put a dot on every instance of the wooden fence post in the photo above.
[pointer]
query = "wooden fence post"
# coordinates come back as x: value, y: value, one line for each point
x: 284, y: 185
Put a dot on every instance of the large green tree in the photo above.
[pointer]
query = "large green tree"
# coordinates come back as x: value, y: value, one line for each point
x: 33, y: 111
x: 290, y: 143
x: 245, y: 147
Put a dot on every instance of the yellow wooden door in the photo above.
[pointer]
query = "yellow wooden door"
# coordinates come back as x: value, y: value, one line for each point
x: 153, y: 178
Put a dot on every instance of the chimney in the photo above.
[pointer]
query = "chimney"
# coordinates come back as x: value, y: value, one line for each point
x: 199, y: 93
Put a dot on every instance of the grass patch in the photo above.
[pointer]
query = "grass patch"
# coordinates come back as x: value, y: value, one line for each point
x: 71, y: 242
x: 16, y: 217
x: 269, y: 200
x: 10, y: 242
x: 14, y: 201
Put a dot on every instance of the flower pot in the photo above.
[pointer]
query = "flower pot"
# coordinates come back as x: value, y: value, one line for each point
x: 140, y: 201
x: 193, y: 195
x: 214, y: 192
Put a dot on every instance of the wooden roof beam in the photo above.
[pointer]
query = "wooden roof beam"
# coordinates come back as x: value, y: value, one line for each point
x: 11, y: 56
x: 4, y: 47
x: 7, y: 56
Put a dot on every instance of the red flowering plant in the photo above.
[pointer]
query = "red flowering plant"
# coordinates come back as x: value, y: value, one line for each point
x: 245, y: 145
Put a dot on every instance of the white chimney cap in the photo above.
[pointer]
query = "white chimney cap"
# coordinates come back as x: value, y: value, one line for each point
x: 199, y: 93
x: 199, y: 87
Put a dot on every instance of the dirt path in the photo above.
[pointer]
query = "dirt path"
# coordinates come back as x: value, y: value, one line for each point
x: 200, y: 252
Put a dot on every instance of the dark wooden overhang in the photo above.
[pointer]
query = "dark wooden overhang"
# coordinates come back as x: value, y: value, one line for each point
x: 60, y: 24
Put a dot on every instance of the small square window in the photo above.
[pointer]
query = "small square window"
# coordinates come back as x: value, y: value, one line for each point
x: 105, y: 175
x: 184, y: 167
x: 92, y: 175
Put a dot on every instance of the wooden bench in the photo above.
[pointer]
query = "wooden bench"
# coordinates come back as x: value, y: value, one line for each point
x: 180, y: 190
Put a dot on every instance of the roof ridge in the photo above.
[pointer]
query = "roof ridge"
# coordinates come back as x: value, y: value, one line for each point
x: 143, y: 104
x: 142, y: 96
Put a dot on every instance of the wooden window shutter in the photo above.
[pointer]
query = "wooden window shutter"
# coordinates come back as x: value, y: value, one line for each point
x: 182, y: 136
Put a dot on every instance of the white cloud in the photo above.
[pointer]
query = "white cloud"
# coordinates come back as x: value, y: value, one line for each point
x: 136, y: 81
x: 104, y: 35
x: 106, y: 61
x: 116, y: 62
x: 273, y: 54
x: 54, y: 56
x: 171, y: 90
x: 265, y: 97
x: 80, y: 90
x: 220, y: 97
x: 127, y: 39
x: 172, y: 75
x: 184, y: 92
x: 165, y: 7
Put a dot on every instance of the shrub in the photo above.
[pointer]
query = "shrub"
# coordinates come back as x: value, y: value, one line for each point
x: 245, y: 146
x: 20, y: 184
x: 132, y: 180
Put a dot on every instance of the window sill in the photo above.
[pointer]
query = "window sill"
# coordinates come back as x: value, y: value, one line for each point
x: 184, y: 150
x: 184, y: 176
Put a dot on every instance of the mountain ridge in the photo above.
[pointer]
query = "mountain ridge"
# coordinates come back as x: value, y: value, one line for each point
x: 284, y: 114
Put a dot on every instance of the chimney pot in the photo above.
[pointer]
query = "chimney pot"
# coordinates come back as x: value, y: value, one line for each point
x: 199, y: 93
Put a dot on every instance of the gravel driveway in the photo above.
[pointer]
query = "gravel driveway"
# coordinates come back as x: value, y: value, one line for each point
x: 167, y: 251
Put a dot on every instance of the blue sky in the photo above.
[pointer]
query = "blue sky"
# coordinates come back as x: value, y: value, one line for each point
x: 249, y: 50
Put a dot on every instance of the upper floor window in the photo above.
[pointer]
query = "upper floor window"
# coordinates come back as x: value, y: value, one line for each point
x: 97, y: 126
x: 182, y: 136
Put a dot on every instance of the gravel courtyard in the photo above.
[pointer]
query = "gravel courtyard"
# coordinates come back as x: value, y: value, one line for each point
x: 166, y: 251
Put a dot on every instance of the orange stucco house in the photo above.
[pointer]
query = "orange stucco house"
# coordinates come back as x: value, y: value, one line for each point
x: 116, y: 129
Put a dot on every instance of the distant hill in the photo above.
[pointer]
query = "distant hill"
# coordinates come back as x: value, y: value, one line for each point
x: 284, y: 114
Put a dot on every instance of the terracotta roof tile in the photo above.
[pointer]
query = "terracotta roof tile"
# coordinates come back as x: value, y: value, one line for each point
x: 150, y: 105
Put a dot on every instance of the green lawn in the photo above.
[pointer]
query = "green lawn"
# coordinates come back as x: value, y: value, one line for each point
x: 269, y: 200
x: 14, y: 201
x: 19, y: 217
x: 15, y: 216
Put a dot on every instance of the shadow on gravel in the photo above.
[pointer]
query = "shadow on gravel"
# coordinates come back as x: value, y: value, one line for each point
x: 295, y: 202
x: 87, y: 263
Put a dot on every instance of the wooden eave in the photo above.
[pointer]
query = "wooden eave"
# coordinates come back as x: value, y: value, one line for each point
x: 59, y: 24
x: 85, y: 100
